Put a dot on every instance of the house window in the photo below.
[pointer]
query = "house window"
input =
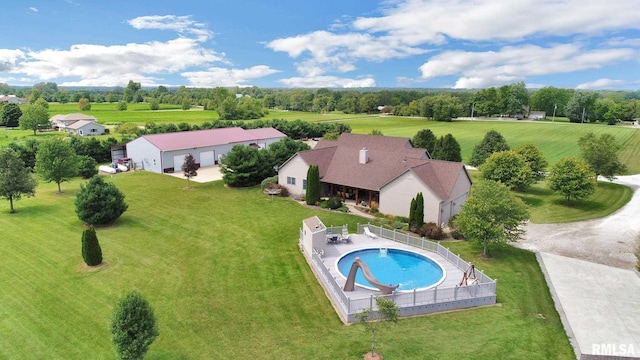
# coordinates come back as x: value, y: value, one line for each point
x: 291, y: 180
x: 304, y: 184
x: 80, y: 132
x: 94, y: 130
x: 154, y: 162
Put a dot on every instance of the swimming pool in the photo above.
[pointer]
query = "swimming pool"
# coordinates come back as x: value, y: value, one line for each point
x: 395, y: 266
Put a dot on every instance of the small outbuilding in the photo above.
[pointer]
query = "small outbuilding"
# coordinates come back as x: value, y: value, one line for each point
x: 165, y: 153
x: 314, y: 235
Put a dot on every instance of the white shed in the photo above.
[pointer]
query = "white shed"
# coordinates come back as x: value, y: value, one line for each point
x: 314, y: 235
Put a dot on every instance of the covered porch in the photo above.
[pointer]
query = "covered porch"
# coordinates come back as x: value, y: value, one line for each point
x: 361, y: 197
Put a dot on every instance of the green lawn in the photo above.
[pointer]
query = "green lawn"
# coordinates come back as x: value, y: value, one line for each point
x: 549, y: 208
x: 224, y: 273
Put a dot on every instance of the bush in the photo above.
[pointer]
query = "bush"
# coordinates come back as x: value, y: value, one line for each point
x: 133, y: 327
x: 402, y: 219
x: 456, y: 234
x: 99, y: 202
x: 87, y: 166
x: 91, y: 251
x: 334, y: 203
x: 269, y: 180
x: 430, y: 230
x: 284, y: 192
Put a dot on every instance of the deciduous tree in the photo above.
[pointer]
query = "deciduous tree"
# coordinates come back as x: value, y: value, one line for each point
x: 34, y: 117
x: 10, y: 115
x: 492, y: 142
x: 509, y: 168
x: 533, y: 157
x: 99, y: 202
x: 16, y: 179
x: 492, y: 214
x: 133, y: 327
x: 56, y: 161
x: 571, y: 178
x: 189, y: 168
x: 600, y: 153
x: 388, y: 312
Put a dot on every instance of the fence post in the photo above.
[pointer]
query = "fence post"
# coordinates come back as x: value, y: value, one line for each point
x: 455, y: 293
x: 414, y: 297
x: 348, y: 306
x: 435, y: 294
x: 371, y: 301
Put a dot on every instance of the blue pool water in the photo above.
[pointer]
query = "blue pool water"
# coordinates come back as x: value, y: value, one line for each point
x: 409, y: 269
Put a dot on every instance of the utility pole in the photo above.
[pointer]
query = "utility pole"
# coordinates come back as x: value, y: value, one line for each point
x: 583, y: 109
x: 472, y: 106
x: 555, y: 106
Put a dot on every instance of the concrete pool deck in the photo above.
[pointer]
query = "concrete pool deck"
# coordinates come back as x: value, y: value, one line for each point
x: 333, y: 252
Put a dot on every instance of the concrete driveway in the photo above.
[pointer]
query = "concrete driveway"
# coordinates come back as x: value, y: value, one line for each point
x: 205, y: 174
x: 589, y: 267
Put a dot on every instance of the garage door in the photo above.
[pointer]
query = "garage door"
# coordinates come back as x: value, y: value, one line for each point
x: 178, y: 160
x: 207, y: 158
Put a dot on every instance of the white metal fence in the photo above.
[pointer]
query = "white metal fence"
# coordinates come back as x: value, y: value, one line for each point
x: 416, y: 302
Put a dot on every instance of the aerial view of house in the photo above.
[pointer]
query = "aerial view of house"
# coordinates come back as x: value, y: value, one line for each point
x: 78, y: 124
x: 381, y: 171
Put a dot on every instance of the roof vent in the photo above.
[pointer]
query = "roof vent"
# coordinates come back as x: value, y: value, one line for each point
x: 364, y: 156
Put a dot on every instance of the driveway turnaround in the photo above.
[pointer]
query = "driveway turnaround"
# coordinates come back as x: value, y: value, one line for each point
x: 589, y: 267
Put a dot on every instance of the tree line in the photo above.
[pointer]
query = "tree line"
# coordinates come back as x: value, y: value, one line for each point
x: 512, y: 100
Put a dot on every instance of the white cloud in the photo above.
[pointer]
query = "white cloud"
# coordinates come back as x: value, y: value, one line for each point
x: 407, y: 28
x: 602, y: 84
x: 217, y: 76
x: 515, y: 63
x: 93, y: 63
x: 33, y: 9
x: 328, y: 82
x: 180, y: 24
x: 9, y: 58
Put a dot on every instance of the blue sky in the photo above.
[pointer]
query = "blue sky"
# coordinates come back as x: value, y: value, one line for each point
x: 582, y: 44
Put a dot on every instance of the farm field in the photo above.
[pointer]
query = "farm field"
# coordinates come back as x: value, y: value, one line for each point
x: 224, y: 273
x: 555, y: 139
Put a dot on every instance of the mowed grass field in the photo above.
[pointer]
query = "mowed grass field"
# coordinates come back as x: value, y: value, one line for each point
x: 224, y: 273
x: 556, y: 140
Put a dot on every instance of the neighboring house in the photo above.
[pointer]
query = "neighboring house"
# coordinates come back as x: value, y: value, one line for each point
x: 165, y: 152
x: 537, y: 115
x: 85, y: 128
x: 387, y: 172
x: 60, y: 122
x: 12, y: 99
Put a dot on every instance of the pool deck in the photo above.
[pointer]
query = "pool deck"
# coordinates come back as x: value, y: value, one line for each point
x: 333, y: 252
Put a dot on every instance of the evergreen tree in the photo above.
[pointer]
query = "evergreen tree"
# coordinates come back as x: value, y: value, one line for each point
x: 419, y: 213
x: 425, y: 139
x: 447, y: 148
x: 133, y: 327
x: 492, y: 142
x: 312, y: 195
x: 99, y: 202
x: 87, y: 166
x: 91, y: 251
x: 412, y: 214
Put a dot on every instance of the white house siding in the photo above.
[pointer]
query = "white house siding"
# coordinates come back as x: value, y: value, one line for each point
x: 145, y: 155
x: 89, y: 130
x: 296, y: 168
x: 459, y: 195
x: 395, y: 197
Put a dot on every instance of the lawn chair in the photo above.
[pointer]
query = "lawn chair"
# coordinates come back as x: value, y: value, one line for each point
x: 345, y: 234
x: 369, y: 233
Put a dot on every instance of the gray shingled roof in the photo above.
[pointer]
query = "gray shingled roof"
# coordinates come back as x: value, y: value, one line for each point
x: 389, y: 157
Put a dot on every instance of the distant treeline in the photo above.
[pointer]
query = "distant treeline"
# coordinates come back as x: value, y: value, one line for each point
x: 513, y: 100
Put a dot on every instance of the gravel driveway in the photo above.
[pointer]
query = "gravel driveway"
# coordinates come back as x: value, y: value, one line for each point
x: 610, y: 240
